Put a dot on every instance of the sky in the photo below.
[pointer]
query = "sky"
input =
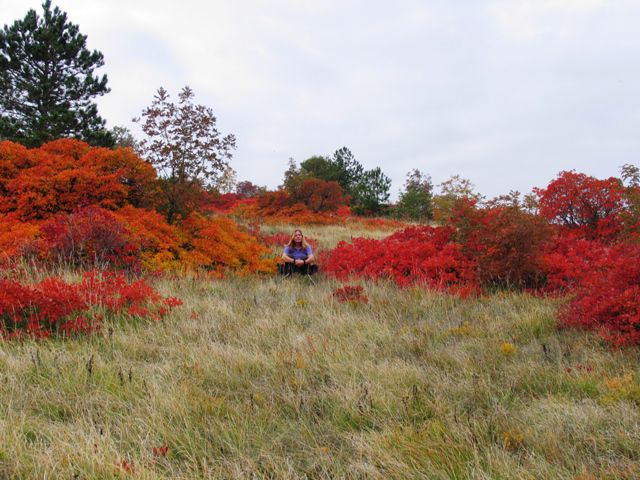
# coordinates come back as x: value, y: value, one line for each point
x: 506, y: 93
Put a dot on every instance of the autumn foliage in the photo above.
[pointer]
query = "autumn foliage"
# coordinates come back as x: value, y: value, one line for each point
x: 67, y: 202
x: 350, y: 294
x: 54, y: 307
x: 425, y: 256
x: 85, y: 207
x: 64, y: 175
x: 505, y: 244
x: 582, y: 202
x: 581, y: 245
x: 607, y: 298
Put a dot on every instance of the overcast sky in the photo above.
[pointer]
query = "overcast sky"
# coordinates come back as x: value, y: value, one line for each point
x: 504, y: 92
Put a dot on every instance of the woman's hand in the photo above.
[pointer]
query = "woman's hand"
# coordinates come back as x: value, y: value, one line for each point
x: 299, y: 262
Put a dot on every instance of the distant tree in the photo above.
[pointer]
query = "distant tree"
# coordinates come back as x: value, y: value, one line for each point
x: 416, y: 201
x: 630, y: 175
x: 319, y: 167
x: 122, y: 137
x: 247, y: 189
x: 320, y: 195
x: 186, y: 147
x: 452, y: 191
x: 47, y: 82
x: 349, y: 170
x: 226, y: 180
x: 371, y: 192
x: 293, y: 178
x: 507, y: 200
x: 631, y: 181
x: 342, y: 167
x: 530, y: 203
x: 368, y: 190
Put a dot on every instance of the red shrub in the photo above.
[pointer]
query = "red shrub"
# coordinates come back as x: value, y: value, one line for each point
x: 56, y: 307
x: 504, y: 242
x: 90, y: 236
x: 320, y: 195
x: 607, y: 298
x: 417, y: 255
x: 350, y: 293
x: 13, y: 158
x: 583, y: 202
x: 218, y: 245
x: 220, y: 203
x: 17, y: 239
x: 270, y: 204
x: 567, y: 258
x: 64, y: 175
x: 279, y: 207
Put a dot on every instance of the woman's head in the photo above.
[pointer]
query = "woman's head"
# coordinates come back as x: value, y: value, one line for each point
x: 297, y: 239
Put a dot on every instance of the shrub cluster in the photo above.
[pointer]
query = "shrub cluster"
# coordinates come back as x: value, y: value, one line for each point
x: 415, y: 256
x: 82, y: 206
x: 54, y: 307
x: 582, y: 245
x: 607, y: 297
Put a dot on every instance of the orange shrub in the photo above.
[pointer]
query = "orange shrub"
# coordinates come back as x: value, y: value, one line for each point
x: 64, y: 175
x: 160, y: 244
x: 16, y: 238
x: 218, y: 245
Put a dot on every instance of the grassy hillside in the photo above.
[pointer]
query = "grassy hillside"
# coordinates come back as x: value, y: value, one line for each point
x: 263, y: 378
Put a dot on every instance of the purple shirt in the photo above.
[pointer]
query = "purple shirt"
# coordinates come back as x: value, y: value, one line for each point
x: 298, y: 253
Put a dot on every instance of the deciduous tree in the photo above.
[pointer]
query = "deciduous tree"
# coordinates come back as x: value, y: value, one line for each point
x: 416, y: 201
x: 184, y: 144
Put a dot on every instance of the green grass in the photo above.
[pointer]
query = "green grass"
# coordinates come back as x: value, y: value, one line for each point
x: 262, y: 378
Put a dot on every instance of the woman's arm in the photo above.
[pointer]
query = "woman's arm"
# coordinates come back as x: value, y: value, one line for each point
x: 310, y: 260
x: 287, y: 258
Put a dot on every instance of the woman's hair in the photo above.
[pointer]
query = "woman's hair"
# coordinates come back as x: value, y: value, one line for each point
x: 292, y: 242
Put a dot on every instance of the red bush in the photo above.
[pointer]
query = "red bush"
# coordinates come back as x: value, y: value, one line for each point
x: 320, y: 195
x: 607, y: 297
x: 350, y: 293
x: 579, y: 201
x: 504, y: 242
x: 90, y: 236
x: 567, y: 258
x: 17, y: 239
x: 279, y: 207
x: 59, y: 308
x: 219, y: 246
x: 415, y: 256
x: 220, y: 202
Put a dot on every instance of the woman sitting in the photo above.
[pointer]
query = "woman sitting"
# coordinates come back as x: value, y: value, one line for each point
x: 298, y: 256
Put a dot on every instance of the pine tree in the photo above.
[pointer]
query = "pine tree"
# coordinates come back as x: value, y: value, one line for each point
x: 47, y: 81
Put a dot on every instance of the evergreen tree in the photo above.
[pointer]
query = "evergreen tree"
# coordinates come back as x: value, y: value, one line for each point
x: 349, y: 170
x: 371, y: 193
x: 47, y: 81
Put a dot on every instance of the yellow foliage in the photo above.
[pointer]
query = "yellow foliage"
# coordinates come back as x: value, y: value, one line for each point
x: 508, y: 348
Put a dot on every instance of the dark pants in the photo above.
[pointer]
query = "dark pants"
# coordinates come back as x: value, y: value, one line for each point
x: 290, y: 268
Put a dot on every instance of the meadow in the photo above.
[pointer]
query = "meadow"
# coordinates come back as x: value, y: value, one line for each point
x: 260, y: 377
